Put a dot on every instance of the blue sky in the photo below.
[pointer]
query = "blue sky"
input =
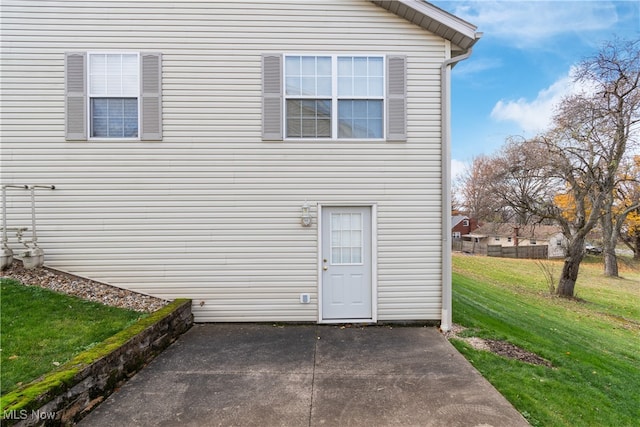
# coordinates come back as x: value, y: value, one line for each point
x: 521, y: 67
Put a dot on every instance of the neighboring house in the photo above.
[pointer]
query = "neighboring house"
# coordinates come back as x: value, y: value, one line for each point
x: 273, y: 161
x: 461, y: 225
x: 507, y: 235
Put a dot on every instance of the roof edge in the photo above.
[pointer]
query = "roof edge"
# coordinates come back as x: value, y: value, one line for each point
x: 431, y: 18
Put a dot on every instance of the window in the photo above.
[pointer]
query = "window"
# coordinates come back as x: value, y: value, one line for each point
x: 346, y: 238
x: 456, y: 234
x: 465, y: 223
x: 113, y: 95
x: 308, y: 96
x: 322, y: 91
x: 337, y: 97
x: 360, y: 97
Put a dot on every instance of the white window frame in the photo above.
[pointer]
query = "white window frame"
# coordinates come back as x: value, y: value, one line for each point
x: 90, y: 96
x: 334, y: 96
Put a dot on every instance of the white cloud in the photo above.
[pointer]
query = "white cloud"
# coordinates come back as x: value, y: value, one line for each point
x: 535, y: 116
x: 476, y: 65
x: 528, y: 23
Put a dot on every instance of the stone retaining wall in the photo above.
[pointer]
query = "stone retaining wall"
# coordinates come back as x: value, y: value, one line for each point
x: 69, y: 393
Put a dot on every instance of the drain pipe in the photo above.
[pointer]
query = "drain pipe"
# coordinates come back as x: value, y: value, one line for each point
x: 34, y: 257
x: 7, y: 253
x: 445, y: 114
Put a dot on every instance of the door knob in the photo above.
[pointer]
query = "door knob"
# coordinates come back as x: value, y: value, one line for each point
x: 325, y: 268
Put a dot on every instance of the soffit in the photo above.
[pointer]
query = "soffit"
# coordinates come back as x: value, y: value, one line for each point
x: 435, y: 20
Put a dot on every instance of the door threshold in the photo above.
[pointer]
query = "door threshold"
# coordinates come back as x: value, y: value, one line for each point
x: 341, y: 321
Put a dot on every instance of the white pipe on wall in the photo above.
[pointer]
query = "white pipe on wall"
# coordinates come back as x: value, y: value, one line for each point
x: 445, y: 114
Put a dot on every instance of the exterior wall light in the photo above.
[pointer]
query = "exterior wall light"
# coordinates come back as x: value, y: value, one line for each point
x: 305, y: 218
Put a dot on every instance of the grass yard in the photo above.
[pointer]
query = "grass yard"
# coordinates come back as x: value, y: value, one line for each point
x: 41, y: 329
x: 593, y: 342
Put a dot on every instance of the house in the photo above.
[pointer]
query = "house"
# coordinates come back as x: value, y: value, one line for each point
x: 272, y: 161
x: 508, y: 235
x: 461, y: 225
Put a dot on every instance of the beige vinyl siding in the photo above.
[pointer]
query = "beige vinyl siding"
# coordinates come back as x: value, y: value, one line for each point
x: 211, y: 212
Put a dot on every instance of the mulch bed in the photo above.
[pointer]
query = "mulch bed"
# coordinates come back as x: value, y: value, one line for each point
x: 510, y: 351
x: 501, y: 348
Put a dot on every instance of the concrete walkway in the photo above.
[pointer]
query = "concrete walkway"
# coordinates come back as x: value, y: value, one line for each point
x: 264, y: 375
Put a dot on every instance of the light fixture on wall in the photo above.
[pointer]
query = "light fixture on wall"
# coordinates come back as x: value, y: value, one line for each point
x: 305, y: 218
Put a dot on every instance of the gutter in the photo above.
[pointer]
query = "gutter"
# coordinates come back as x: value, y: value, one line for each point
x: 445, y: 115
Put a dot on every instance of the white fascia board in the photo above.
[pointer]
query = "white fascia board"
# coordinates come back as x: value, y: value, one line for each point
x: 445, y: 18
x: 434, y: 19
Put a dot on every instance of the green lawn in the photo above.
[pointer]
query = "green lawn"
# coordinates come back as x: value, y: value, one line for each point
x: 41, y: 329
x: 593, y: 342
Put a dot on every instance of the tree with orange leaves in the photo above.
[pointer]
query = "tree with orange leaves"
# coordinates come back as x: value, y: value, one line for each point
x: 629, y: 201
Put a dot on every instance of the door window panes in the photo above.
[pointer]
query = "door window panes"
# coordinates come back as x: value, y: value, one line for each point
x: 346, y: 238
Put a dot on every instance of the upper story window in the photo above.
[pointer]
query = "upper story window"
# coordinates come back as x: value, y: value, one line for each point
x: 308, y: 92
x: 465, y: 222
x: 113, y: 95
x: 334, y: 97
x: 114, y: 86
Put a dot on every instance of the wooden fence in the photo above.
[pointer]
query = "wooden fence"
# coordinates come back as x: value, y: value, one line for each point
x: 469, y: 247
x: 529, y: 251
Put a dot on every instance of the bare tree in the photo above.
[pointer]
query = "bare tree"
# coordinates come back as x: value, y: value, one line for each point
x: 474, y: 189
x: 516, y: 181
x: 581, y: 154
x: 620, y: 208
x: 456, y: 204
x: 615, y: 70
x: 573, y: 167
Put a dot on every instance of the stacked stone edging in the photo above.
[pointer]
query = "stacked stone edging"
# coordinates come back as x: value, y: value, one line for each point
x: 67, y: 404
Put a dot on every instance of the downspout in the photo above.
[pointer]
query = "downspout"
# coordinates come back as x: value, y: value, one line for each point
x: 445, y: 114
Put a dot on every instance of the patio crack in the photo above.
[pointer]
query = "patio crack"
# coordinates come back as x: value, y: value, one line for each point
x: 313, y: 375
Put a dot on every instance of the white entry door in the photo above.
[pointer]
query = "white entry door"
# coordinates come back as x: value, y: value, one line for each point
x: 346, y: 263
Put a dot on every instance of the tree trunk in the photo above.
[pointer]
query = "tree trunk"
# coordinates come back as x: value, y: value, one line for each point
x: 575, y: 253
x: 609, y: 240
x: 610, y: 262
x: 636, y: 252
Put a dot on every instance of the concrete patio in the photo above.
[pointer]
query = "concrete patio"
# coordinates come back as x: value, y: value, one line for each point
x: 307, y: 375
